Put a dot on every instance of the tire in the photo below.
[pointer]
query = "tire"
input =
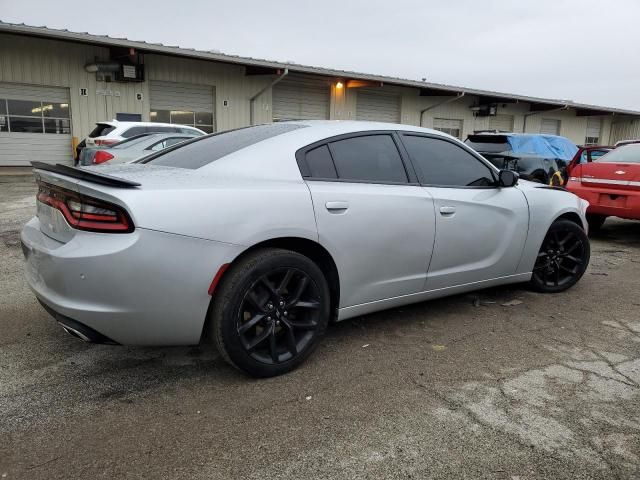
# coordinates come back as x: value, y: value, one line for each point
x: 595, y: 222
x: 266, y: 318
x: 562, y: 259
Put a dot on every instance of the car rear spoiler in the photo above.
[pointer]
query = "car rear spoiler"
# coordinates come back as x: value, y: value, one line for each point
x: 85, y: 175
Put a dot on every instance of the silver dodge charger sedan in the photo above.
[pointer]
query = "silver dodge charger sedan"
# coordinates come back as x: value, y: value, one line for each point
x: 257, y: 238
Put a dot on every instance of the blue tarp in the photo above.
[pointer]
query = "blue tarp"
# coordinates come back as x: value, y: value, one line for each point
x: 547, y: 146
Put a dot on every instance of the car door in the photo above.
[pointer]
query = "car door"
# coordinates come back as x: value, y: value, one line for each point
x: 481, y: 228
x: 371, y: 214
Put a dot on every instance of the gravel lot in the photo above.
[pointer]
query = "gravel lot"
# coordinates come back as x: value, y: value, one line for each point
x: 464, y: 387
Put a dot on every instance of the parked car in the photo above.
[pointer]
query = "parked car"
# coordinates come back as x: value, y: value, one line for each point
x: 536, y: 157
x: 132, y: 148
x: 108, y: 133
x: 611, y: 185
x: 585, y: 154
x: 257, y: 237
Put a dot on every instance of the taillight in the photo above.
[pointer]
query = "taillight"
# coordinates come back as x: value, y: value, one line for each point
x: 85, y: 213
x: 106, y: 141
x: 101, y: 156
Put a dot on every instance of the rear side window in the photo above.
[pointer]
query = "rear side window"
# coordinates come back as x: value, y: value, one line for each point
x: 320, y: 163
x: 372, y: 158
x: 445, y: 164
x: 101, y: 130
x: 208, y: 149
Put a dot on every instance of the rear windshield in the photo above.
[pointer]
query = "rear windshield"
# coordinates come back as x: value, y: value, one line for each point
x: 626, y: 154
x: 101, y: 130
x: 488, y: 143
x: 205, y: 150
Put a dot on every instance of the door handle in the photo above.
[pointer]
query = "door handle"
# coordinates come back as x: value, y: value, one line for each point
x: 337, y: 207
x: 447, y: 211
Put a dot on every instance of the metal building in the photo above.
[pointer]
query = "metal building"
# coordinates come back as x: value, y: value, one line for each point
x: 55, y: 85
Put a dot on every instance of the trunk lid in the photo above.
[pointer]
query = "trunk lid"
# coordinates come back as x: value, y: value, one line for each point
x: 617, y: 175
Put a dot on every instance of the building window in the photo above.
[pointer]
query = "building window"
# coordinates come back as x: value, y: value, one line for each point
x: 34, y: 116
x: 449, y: 126
x: 201, y: 120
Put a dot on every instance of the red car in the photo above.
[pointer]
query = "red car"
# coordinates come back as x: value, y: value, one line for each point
x: 585, y: 154
x: 611, y: 185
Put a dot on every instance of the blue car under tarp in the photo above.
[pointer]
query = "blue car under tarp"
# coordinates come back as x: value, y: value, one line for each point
x: 546, y: 146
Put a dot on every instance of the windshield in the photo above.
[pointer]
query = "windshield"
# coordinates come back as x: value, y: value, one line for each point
x: 207, y: 149
x: 626, y: 154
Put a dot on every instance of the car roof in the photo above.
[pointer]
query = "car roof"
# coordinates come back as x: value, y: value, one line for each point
x: 328, y: 128
x: 118, y: 123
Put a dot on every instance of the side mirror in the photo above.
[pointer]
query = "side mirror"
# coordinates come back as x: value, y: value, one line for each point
x: 507, y: 178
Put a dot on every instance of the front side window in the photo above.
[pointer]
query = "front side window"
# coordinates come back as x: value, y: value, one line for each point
x: 443, y: 163
x: 371, y: 158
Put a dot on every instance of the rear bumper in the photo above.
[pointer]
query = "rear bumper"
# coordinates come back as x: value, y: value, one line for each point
x: 608, y: 201
x: 76, y: 328
x: 143, y: 288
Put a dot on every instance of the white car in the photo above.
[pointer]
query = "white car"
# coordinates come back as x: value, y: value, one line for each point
x: 255, y: 238
x: 107, y: 133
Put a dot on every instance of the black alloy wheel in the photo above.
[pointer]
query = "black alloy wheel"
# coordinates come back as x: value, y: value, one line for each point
x: 279, y: 315
x: 270, y: 311
x: 562, y: 259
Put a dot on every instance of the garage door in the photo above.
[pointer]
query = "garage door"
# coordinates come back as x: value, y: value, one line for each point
x: 452, y: 127
x: 594, y: 125
x: 34, y: 125
x: 183, y: 103
x: 501, y: 123
x: 550, y: 126
x: 378, y: 106
x: 297, y: 97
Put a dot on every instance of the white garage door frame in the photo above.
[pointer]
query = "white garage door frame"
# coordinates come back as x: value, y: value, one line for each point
x: 183, y: 104
x: 298, y: 97
x: 377, y: 106
x: 25, y: 109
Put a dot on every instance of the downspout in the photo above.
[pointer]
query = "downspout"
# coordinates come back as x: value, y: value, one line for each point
x: 252, y: 100
x: 527, y: 115
x: 444, y: 102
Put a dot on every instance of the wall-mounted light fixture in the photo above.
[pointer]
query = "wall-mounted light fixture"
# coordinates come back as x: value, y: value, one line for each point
x: 339, y: 85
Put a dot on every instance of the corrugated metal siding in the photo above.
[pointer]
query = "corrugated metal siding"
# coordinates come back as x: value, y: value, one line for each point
x: 35, y: 61
x: 301, y: 97
x: 233, y: 88
x: 628, y: 130
x: 378, y: 106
